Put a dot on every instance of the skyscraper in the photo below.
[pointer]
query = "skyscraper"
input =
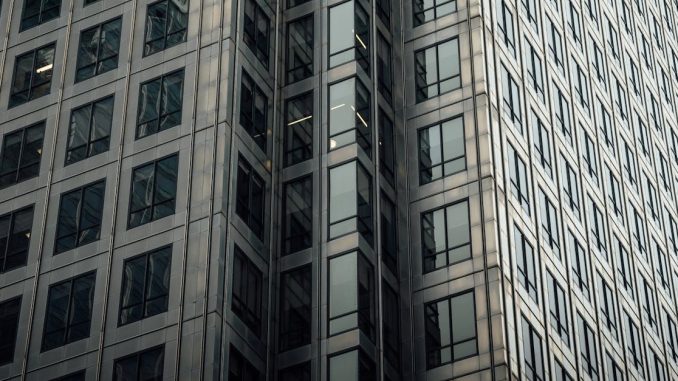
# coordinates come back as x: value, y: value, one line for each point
x: 338, y: 190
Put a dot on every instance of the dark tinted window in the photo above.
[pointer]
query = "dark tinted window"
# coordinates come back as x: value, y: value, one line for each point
x: 77, y: 376
x: 350, y: 120
x: 141, y: 366
x: 295, y: 308
x: 256, y: 30
x: 427, y: 10
x: 15, y: 237
x: 145, y: 285
x: 386, y: 147
x: 300, y: 49
x: 69, y: 311
x: 32, y: 75
x: 389, y: 239
x: 153, y: 192
x: 298, y: 217
x: 250, y: 201
x: 384, y: 74
x: 160, y: 101
x: 37, y: 12
x: 239, y: 369
x: 98, y: 49
x: 391, y: 325
x: 80, y: 217
x: 450, y: 326
x: 442, y: 150
x: 21, y: 154
x: 301, y: 372
x: 253, y: 110
x: 247, y: 291
x: 299, y: 129
x: 353, y: 365
x: 166, y: 25
x: 9, y: 322
x: 445, y: 236
x: 89, y: 133
x: 351, y: 294
x: 349, y: 35
x: 437, y: 70
x: 350, y: 201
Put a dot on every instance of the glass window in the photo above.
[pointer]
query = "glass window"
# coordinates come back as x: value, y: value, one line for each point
x: 542, y: 143
x: 299, y: 129
x: 671, y: 337
x: 534, y: 71
x: 445, y: 236
x: 153, y: 191
x: 597, y: 238
x: 21, y: 154
x: 442, y: 150
x: 384, y: 68
x: 350, y: 201
x: 349, y: 35
x: 560, y: 374
x: 141, y: 366
x: 437, y: 70
x: 386, y: 147
x: 389, y: 234
x: 580, y: 264
x: 301, y: 372
x: 505, y: 26
x: 89, y: 133
x: 510, y: 96
x: 587, y: 348
x: 15, y: 238
x: 647, y: 301
x: 298, y: 217
x: 581, y: 87
x: 295, y: 308
x: 561, y: 111
x: 247, y: 291
x: 519, y: 181
x: 450, y: 326
x: 36, y: 12
x: 294, y: 3
x: 624, y: 267
x: 614, y: 371
x: 549, y: 222
x: 253, y: 110
x: 384, y: 12
x: 428, y: 10
x: 525, y: 263
x: 69, y: 311
x: 570, y: 186
x: 77, y: 376
x: 555, y: 45
x: 80, y: 212
x: 256, y: 31
x: 240, y: 369
x: 607, y: 307
x: 160, y: 101
x: 574, y: 23
x: 532, y: 352
x: 300, y: 49
x: 145, y: 285
x: 351, y: 295
x: 391, y: 325
x: 166, y: 25
x: 558, y: 309
x: 98, y: 49
x: 352, y: 366
x: 32, y: 75
x: 633, y: 343
x: 9, y: 325
x: 350, y: 116
x: 250, y: 201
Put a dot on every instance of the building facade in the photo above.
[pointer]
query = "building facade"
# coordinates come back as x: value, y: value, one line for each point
x: 338, y: 190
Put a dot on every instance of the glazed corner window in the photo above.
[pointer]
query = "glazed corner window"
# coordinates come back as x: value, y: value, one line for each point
x: 250, y: 201
x: 298, y: 218
x: 160, y: 101
x: 166, y: 25
x: 21, y: 153
x: 349, y: 35
x: 9, y: 325
x: 299, y: 129
x: 450, y: 327
x: 295, y: 308
x: 350, y: 120
x: 36, y: 12
x: 240, y: 369
x: 69, y: 311
x: 253, y: 110
x: 445, y: 236
x: 145, y: 285
x: 247, y: 289
x: 442, y: 150
x: 300, y: 49
x: 89, y: 133
x: 350, y: 201
x: 15, y: 238
x: 256, y: 30
x: 79, y: 220
x: 353, y: 365
x: 437, y: 70
x: 144, y: 365
x: 153, y: 191
x: 32, y: 75
x: 98, y: 49
x: 428, y: 10
x: 351, y: 294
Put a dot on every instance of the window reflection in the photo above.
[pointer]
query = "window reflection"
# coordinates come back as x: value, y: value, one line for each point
x: 299, y: 129
x: 446, y: 236
x: 437, y: 70
x: 442, y: 150
x: 350, y: 115
x: 350, y: 201
x: 450, y: 326
x: 349, y: 35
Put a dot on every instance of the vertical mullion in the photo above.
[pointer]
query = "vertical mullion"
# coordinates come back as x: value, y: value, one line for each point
x: 30, y: 81
x: 9, y: 231
x: 78, y: 215
x: 89, y: 127
x: 96, y: 61
x: 145, y: 288
x: 21, y: 154
x: 69, y: 312
x: 161, y: 99
x: 155, y: 171
x: 167, y: 13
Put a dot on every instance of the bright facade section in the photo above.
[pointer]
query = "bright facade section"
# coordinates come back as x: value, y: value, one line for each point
x: 338, y: 190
